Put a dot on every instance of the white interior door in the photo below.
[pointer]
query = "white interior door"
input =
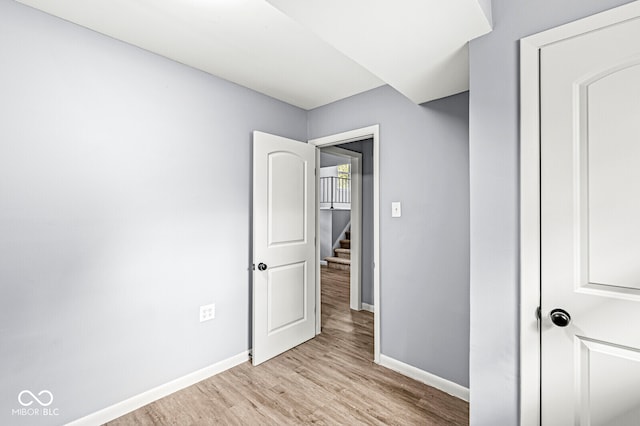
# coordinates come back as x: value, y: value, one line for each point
x: 284, y: 287
x: 590, y: 227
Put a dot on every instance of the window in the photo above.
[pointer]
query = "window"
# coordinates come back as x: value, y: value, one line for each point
x: 344, y: 175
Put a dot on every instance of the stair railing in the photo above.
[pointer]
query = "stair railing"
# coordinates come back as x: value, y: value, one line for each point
x: 334, y: 190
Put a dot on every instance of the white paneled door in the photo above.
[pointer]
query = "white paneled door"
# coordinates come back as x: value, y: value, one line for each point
x: 284, y: 287
x: 590, y: 228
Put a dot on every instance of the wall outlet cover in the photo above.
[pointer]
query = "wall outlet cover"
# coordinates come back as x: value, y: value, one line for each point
x: 207, y: 312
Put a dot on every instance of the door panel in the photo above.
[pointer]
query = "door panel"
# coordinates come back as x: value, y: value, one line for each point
x: 609, y: 377
x: 287, y: 292
x: 283, y: 245
x: 590, y: 227
x: 287, y: 204
x: 613, y: 149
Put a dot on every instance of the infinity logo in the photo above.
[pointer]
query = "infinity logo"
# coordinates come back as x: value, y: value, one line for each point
x: 34, y: 398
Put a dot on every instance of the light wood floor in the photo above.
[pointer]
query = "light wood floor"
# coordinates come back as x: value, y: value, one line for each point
x: 330, y: 380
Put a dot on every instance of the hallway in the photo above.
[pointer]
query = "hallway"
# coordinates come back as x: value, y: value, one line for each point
x: 328, y: 380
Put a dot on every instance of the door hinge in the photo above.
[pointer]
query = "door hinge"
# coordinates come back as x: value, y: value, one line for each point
x: 538, y: 313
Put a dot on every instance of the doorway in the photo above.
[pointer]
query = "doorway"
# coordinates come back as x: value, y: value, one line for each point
x: 372, y: 135
x: 340, y: 217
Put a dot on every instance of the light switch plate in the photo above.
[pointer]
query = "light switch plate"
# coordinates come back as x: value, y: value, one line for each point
x: 396, y: 209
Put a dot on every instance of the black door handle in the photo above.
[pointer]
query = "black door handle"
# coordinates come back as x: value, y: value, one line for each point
x: 262, y: 266
x: 560, y: 317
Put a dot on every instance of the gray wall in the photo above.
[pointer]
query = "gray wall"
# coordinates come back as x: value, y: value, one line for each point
x: 331, y: 223
x: 124, y: 206
x: 325, y: 227
x: 425, y: 253
x: 339, y: 220
x: 494, y: 140
x: 330, y: 160
x: 366, y: 271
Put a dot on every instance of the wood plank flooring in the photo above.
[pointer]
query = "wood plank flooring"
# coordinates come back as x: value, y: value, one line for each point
x: 329, y: 380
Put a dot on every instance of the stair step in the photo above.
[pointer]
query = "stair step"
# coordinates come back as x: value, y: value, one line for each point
x: 343, y: 253
x: 338, y: 263
x: 338, y: 260
x: 345, y: 244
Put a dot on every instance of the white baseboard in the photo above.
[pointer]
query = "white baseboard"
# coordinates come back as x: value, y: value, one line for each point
x: 324, y: 263
x: 427, y: 378
x: 121, y: 408
x: 367, y: 307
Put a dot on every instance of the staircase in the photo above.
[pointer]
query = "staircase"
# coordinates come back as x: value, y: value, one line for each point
x: 342, y: 258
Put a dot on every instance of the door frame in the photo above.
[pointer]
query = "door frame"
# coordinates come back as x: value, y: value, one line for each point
x: 530, y: 281
x: 370, y: 132
x: 355, y: 277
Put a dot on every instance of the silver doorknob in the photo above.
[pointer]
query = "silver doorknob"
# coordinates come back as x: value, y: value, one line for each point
x: 262, y: 267
x: 560, y: 317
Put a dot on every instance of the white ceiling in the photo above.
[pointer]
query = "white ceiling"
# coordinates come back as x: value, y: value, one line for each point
x: 417, y: 46
x: 307, y: 53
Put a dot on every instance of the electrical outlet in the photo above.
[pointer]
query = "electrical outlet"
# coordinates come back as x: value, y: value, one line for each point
x: 207, y: 312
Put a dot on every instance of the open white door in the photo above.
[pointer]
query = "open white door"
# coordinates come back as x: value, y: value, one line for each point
x: 284, y: 287
x: 590, y: 227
